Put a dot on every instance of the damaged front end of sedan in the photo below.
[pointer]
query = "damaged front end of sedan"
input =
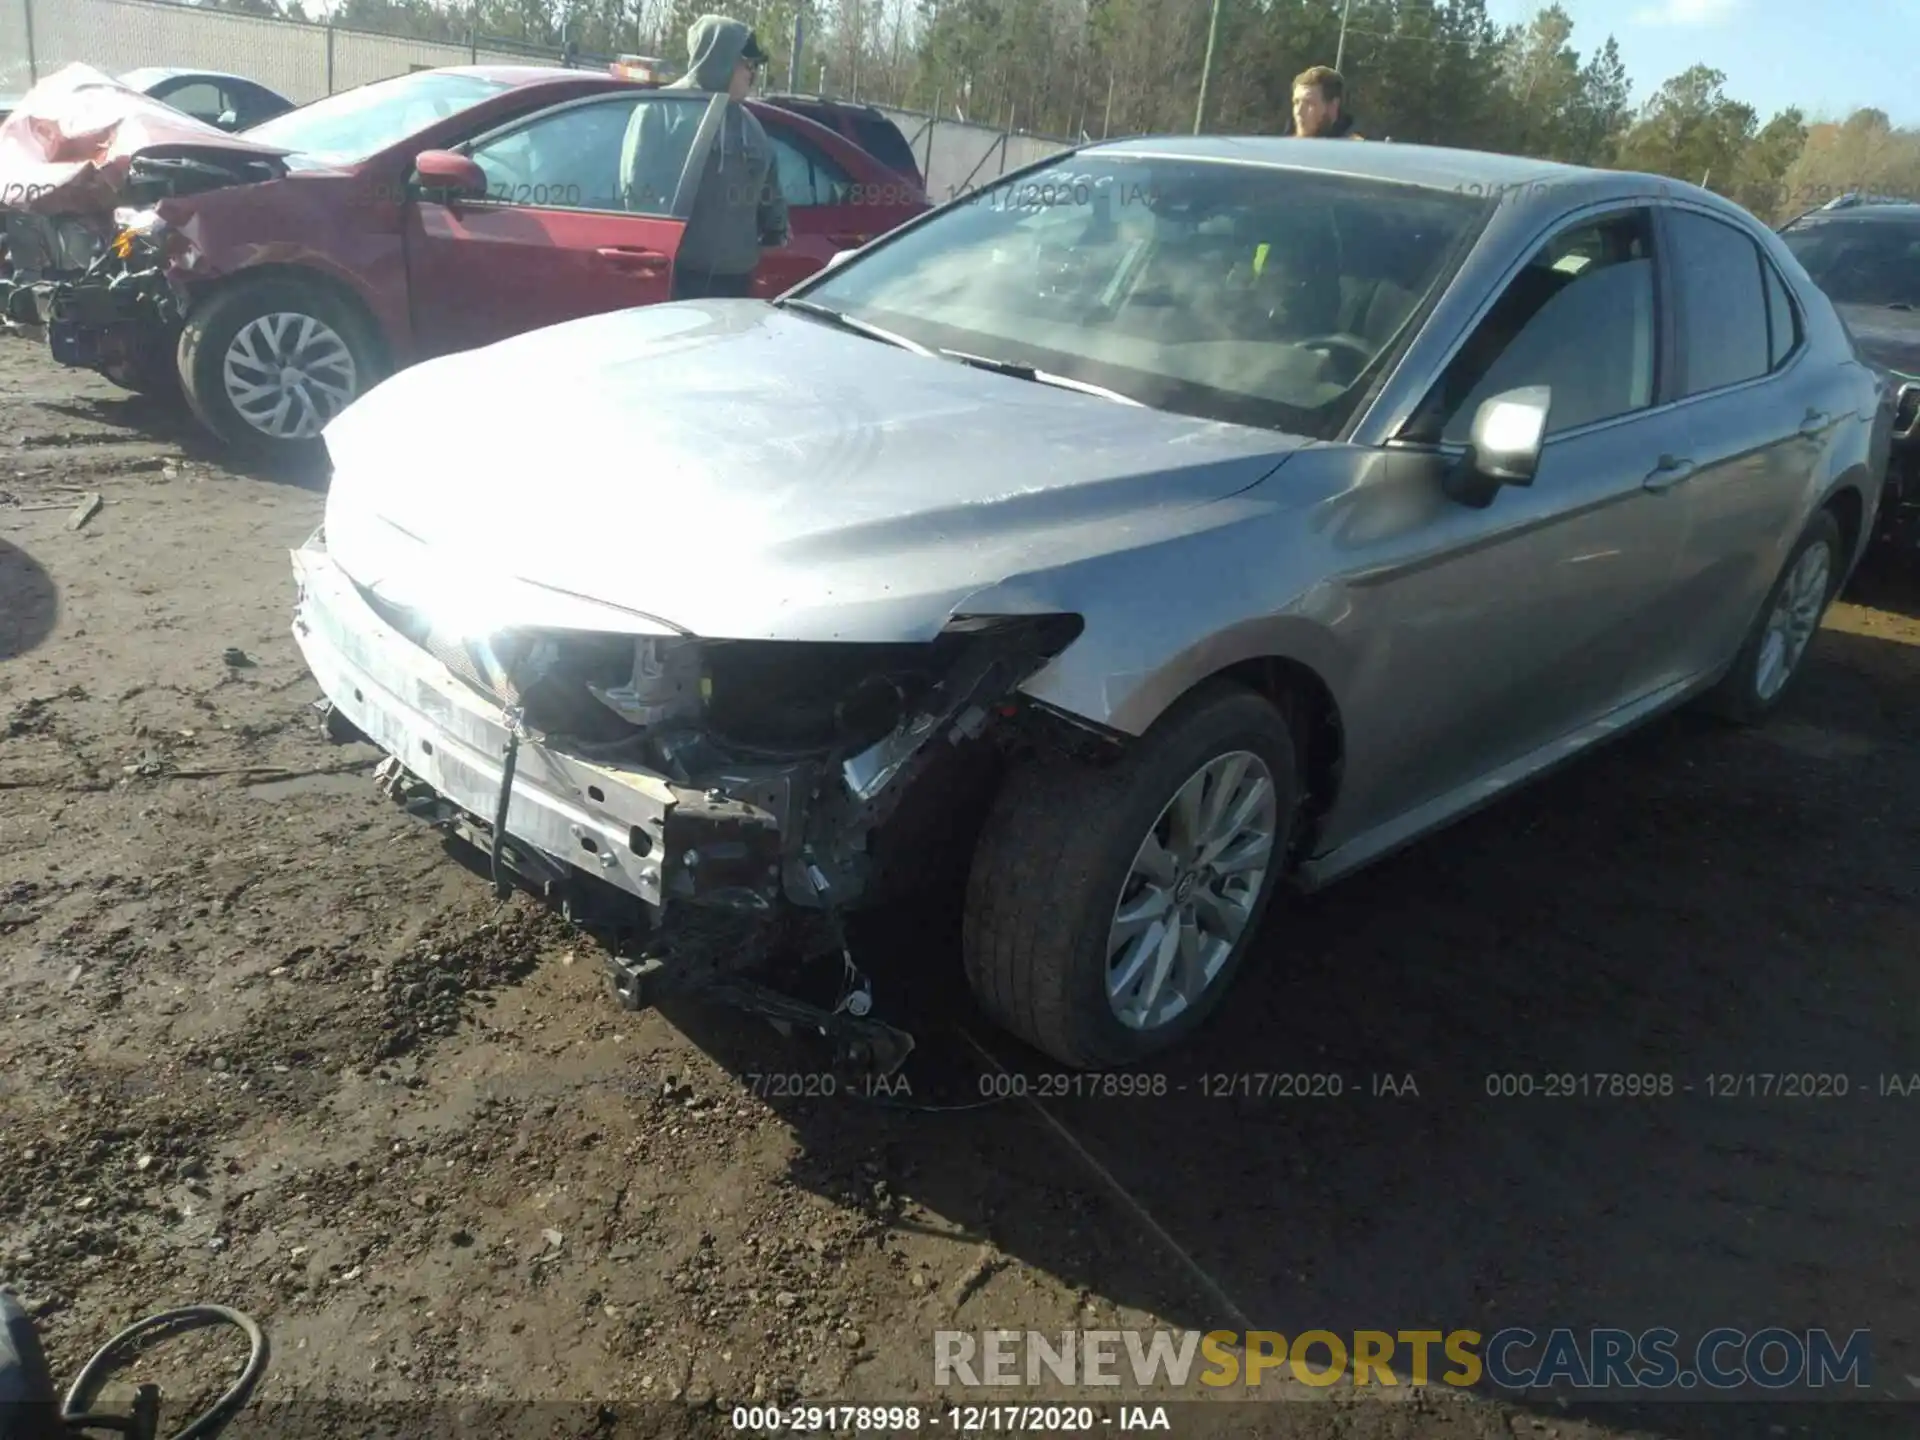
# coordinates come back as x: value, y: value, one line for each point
x: 720, y: 805
x: 94, y: 242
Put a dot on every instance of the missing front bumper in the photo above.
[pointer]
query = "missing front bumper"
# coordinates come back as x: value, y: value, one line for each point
x: 638, y: 832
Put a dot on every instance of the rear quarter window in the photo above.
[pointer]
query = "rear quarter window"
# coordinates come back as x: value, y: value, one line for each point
x: 882, y: 139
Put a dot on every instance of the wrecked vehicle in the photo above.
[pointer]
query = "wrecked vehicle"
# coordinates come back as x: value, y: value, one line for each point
x: 1174, y: 520
x: 276, y: 275
x: 1865, y: 254
x: 83, y: 158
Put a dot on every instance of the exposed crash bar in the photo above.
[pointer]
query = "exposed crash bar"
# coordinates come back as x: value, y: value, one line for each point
x: 410, y: 705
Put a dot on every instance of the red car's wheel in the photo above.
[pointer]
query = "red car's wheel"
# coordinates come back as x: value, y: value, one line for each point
x: 267, y: 363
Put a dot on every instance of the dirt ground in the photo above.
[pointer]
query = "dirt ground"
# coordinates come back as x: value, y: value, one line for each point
x: 266, y: 1041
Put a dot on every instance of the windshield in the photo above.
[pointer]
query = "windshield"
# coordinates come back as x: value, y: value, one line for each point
x: 1861, y: 261
x: 1232, y: 292
x: 347, y: 128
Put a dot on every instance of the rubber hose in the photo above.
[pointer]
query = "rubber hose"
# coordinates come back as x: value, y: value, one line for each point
x: 112, y: 1356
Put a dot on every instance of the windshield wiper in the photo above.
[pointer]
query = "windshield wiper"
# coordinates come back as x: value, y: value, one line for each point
x: 1039, y: 377
x: 858, y: 327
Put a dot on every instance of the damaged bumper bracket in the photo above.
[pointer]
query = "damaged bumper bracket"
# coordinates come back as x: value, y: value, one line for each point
x: 568, y: 812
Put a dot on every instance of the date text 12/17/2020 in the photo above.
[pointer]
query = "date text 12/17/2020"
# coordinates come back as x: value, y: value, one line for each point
x: 949, y: 1419
x: 1112, y: 1085
x: 1720, y: 1085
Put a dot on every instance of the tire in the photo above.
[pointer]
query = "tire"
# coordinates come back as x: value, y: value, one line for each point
x: 1057, y: 852
x: 239, y: 321
x: 1753, y: 689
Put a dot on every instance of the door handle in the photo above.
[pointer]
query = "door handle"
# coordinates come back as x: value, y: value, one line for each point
x: 1667, y: 474
x: 633, y: 257
x: 848, y: 241
x: 1813, y: 422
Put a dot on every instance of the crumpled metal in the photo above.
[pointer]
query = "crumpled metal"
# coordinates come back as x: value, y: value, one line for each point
x: 69, y: 144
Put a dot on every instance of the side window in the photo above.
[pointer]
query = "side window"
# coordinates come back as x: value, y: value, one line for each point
x: 1860, y: 261
x: 255, y: 105
x: 1717, y: 276
x: 882, y: 139
x: 806, y: 176
x: 1579, y: 318
x: 1783, y: 321
x: 654, y: 149
x: 624, y: 153
x: 199, y: 98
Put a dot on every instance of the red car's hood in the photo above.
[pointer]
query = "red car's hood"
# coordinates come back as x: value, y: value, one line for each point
x: 69, y: 144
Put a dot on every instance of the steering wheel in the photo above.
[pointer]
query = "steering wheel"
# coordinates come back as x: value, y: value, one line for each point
x: 1361, y: 351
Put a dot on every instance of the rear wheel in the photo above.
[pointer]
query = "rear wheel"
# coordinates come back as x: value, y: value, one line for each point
x: 1773, y: 656
x: 267, y: 363
x: 1108, y: 911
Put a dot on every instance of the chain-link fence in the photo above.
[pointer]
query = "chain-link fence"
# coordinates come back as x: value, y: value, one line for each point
x: 305, y: 61
x: 16, y: 48
x: 301, y: 60
x: 957, y: 157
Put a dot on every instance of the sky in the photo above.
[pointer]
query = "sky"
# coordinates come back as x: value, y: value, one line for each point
x: 1828, y: 58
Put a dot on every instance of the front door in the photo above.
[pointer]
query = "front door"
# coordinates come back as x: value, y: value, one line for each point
x: 1499, y: 631
x: 584, y: 210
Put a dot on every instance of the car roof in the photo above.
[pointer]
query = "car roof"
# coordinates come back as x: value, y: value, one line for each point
x: 529, y: 74
x: 1863, y: 210
x: 824, y: 102
x: 153, y: 74
x: 1431, y: 165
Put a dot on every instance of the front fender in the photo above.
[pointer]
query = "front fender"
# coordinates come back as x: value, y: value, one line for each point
x: 1162, y: 618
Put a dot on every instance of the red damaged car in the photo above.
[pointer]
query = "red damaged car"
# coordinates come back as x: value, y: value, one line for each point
x: 277, y: 274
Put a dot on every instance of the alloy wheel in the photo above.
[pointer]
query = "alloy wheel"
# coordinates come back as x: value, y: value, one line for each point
x: 288, y: 374
x: 1796, y: 615
x: 1191, y: 890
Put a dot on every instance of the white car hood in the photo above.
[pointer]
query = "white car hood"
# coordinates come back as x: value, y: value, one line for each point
x: 730, y: 470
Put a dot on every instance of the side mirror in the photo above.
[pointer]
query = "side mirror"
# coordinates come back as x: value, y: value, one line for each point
x: 1504, y: 444
x: 229, y: 121
x: 448, y: 175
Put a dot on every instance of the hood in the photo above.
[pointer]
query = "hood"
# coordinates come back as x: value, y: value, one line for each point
x: 714, y: 47
x: 1886, y: 337
x: 70, y: 144
x: 732, y: 470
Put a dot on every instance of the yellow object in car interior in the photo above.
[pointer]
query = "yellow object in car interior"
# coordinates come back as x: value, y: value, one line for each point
x: 1260, y: 258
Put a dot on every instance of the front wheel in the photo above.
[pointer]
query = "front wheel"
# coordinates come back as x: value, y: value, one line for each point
x: 1108, y: 911
x: 1771, y: 659
x: 267, y: 363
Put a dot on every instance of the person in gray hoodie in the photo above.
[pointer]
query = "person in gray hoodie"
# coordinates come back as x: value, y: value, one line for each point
x: 737, y: 207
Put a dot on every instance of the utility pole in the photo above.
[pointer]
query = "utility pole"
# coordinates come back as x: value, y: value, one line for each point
x: 1206, y: 70
x: 1340, y: 50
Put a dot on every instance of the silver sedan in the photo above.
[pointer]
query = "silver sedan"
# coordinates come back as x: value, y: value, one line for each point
x: 1171, y: 521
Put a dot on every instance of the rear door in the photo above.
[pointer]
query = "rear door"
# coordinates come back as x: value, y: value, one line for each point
x: 832, y: 205
x: 1756, y: 422
x: 577, y: 220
